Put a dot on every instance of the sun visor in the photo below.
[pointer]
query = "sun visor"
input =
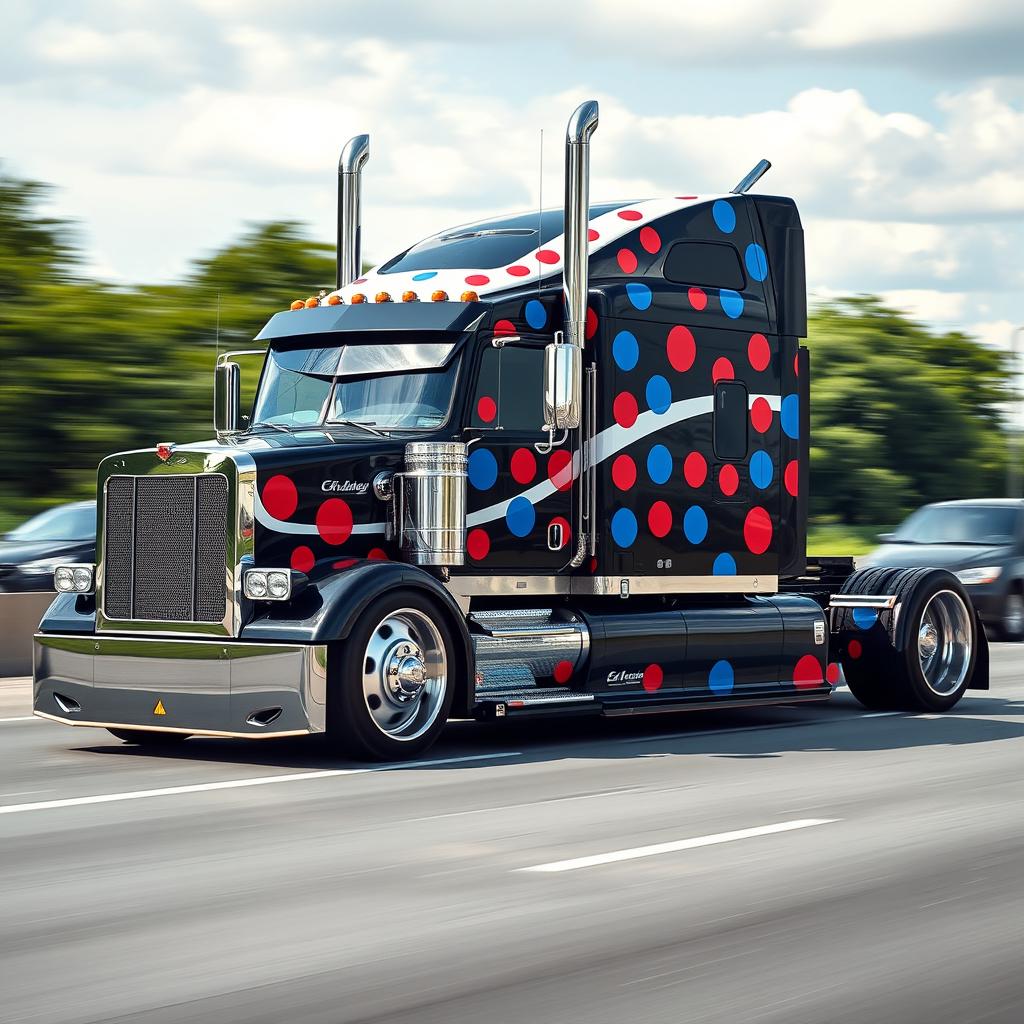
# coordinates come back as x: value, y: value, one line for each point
x: 371, y: 317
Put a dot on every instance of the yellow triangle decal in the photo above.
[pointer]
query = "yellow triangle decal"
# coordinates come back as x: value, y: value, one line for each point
x: 159, y: 709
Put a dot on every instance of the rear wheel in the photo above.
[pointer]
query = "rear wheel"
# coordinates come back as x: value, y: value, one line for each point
x: 145, y: 738
x: 392, y: 681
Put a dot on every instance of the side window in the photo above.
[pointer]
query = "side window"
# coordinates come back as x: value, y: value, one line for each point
x: 510, y: 389
x: 730, y: 421
x: 711, y: 264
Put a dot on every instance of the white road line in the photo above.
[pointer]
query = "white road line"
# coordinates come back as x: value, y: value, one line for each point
x: 678, y: 845
x: 22, y: 718
x: 266, y: 780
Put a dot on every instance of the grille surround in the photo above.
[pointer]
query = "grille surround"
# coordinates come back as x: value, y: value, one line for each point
x: 166, y: 548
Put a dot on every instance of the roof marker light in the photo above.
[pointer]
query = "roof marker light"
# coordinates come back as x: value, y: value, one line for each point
x: 298, y: 304
x: 335, y: 300
x: 439, y: 296
x: 470, y: 296
x: 410, y: 297
x: 382, y: 297
x: 357, y: 299
x: 312, y: 301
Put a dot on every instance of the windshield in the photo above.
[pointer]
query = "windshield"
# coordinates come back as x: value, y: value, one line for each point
x: 66, y: 522
x: 961, y: 524
x: 387, y: 387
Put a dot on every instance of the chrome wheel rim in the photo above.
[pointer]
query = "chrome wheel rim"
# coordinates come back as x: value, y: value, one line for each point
x: 1013, y: 619
x: 405, y: 674
x: 944, y: 642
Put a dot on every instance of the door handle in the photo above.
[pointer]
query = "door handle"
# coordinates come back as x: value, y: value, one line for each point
x: 556, y: 540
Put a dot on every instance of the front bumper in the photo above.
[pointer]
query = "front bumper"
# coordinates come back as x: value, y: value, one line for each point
x: 203, y: 687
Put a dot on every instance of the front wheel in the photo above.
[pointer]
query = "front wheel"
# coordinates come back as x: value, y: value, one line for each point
x: 392, y: 681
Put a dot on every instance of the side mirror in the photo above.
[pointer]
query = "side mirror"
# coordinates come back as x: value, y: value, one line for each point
x: 227, y: 397
x: 563, y: 386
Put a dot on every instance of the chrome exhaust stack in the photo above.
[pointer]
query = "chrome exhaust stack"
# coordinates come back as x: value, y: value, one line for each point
x: 575, y: 279
x: 350, y: 168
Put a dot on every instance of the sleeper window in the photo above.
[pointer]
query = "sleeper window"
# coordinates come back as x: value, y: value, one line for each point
x: 730, y: 421
x: 510, y: 389
x: 711, y: 264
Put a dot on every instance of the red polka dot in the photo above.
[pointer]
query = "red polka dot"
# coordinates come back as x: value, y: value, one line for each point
x: 625, y: 409
x: 523, y: 466
x: 631, y: 215
x: 758, y: 352
x: 478, y: 279
x: 345, y: 563
x: 728, y: 480
x: 359, y: 280
x: 504, y: 327
x: 566, y: 530
x: 560, y: 469
x: 548, y: 256
x: 697, y: 298
x: 518, y: 270
x: 377, y: 555
x: 624, y: 472
x: 854, y: 649
x: 791, y: 477
x: 626, y: 260
x: 563, y: 672
x: 653, y: 678
x: 590, y: 327
x: 757, y: 530
x: 592, y: 235
x: 478, y: 544
x: 832, y: 672
x: 695, y: 469
x: 649, y: 239
x: 302, y: 559
x: 486, y: 408
x: 807, y: 673
x: 722, y: 370
x: 593, y: 565
x: 761, y: 415
x: 686, y: 197
x: 334, y: 521
x: 280, y: 497
x: 681, y: 348
x: 659, y: 519
x: 796, y: 365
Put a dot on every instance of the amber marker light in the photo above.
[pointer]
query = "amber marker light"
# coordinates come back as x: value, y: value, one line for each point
x: 439, y: 296
x: 410, y: 297
x: 357, y: 299
x: 312, y: 301
x: 470, y: 296
x: 298, y: 304
x: 334, y: 300
x: 382, y: 297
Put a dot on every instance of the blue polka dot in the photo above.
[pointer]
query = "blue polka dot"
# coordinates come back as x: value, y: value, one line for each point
x: 659, y: 464
x: 483, y: 469
x: 865, y: 618
x: 757, y: 262
x: 426, y: 275
x: 659, y: 394
x: 725, y: 565
x: 625, y: 350
x: 725, y: 216
x: 761, y: 469
x: 624, y: 527
x: 732, y: 303
x: 639, y: 294
x: 695, y: 524
x: 535, y: 313
x: 721, y: 678
x: 790, y: 416
x: 520, y: 516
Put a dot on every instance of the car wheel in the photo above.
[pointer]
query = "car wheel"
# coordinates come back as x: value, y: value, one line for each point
x: 391, y: 683
x: 1012, y: 625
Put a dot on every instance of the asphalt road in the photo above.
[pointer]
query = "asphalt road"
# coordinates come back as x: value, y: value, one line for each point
x: 793, y: 864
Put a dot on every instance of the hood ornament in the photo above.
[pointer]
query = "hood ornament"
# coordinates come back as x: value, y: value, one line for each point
x: 164, y: 449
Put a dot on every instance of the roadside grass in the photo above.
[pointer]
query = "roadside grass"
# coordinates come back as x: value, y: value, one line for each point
x: 840, y: 539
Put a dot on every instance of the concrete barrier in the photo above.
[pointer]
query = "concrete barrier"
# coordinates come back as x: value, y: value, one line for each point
x: 19, y: 619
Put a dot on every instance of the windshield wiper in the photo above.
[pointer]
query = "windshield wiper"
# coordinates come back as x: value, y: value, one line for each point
x: 273, y: 426
x: 370, y: 428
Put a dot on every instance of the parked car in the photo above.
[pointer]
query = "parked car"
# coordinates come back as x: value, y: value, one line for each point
x: 58, y: 536
x: 981, y: 541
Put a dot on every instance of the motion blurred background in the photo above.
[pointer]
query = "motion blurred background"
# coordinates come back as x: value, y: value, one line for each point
x: 167, y: 177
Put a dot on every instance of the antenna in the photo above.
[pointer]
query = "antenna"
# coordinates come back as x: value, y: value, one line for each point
x: 540, y: 204
x: 752, y: 177
x: 217, y: 337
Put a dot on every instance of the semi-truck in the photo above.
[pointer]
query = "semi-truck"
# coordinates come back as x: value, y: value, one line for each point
x: 554, y: 463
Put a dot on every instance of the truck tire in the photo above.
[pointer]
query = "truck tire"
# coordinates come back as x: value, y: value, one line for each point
x: 391, y: 683
x: 147, y: 738
x: 921, y: 654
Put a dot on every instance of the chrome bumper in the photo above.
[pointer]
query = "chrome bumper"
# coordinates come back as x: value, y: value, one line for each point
x: 203, y: 687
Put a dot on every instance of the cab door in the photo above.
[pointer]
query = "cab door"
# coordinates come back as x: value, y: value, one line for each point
x: 519, y: 500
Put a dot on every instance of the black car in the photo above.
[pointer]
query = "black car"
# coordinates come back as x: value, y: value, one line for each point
x: 981, y: 541
x: 58, y: 536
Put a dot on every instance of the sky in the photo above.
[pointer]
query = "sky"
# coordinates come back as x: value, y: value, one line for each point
x: 898, y: 127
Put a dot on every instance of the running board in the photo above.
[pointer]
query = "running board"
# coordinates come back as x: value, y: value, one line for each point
x: 544, y: 700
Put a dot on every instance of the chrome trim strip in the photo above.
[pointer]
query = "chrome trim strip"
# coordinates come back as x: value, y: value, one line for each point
x: 862, y: 601
x: 186, y: 732
x: 609, y: 586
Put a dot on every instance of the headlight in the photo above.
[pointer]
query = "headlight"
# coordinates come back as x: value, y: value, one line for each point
x: 267, y: 584
x: 983, y: 574
x: 74, y: 579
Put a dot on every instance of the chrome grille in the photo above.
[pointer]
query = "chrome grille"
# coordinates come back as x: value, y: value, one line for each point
x: 165, y: 548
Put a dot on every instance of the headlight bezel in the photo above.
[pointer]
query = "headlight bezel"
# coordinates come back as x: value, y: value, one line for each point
x: 78, y: 578
x: 269, y: 584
